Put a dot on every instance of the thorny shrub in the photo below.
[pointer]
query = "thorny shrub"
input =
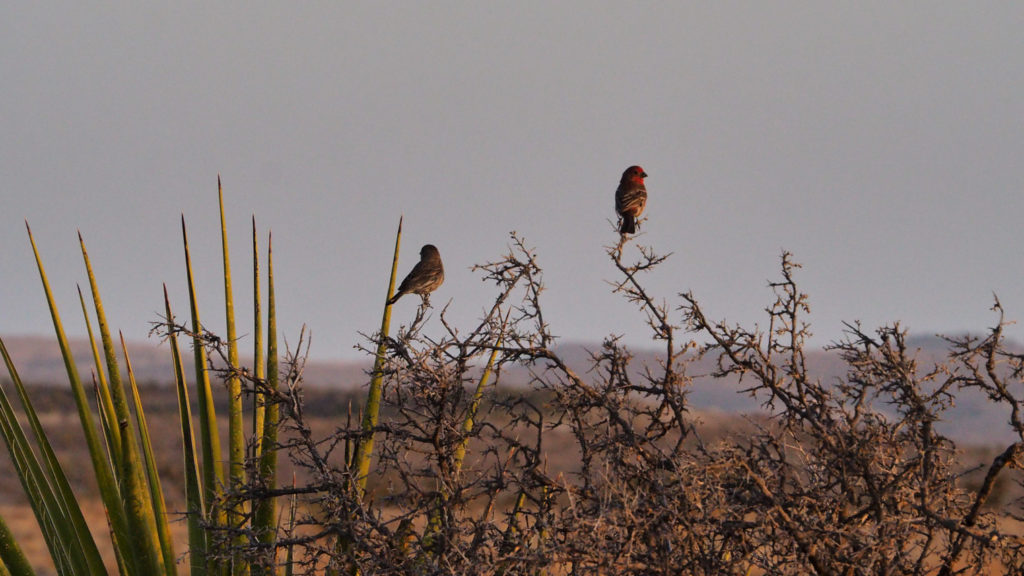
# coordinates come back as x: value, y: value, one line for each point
x: 847, y: 477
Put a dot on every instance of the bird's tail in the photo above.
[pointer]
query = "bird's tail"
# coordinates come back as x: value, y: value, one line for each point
x: 395, y: 298
x: 628, y: 224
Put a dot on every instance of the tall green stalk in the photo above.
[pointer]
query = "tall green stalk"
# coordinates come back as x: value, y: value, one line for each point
x: 371, y: 413
x: 433, y: 529
x: 474, y: 405
x: 194, y: 505
x: 266, y: 511
x: 128, y: 462
x: 259, y: 368
x: 111, y: 430
x: 209, y: 433
x: 364, y: 450
x: 156, y: 492
x: 236, y: 431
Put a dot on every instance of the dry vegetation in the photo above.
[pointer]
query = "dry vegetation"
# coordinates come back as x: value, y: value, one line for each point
x: 608, y: 472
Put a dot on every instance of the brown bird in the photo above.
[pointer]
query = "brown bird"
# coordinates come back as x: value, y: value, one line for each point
x: 425, y: 276
x: 630, y: 198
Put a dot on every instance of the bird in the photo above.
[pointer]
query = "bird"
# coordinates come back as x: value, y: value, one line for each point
x: 425, y: 277
x: 630, y: 198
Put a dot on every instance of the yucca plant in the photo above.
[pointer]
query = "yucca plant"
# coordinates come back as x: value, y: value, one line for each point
x: 121, y: 452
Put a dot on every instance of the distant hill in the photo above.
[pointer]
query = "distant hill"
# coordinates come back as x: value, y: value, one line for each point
x: 973, y: 420
x: 39, y: 361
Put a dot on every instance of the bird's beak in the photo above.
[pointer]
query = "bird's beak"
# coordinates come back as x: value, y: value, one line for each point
x: 643, y: 175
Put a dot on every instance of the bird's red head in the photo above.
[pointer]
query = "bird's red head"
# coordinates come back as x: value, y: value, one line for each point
x: 634, y: 173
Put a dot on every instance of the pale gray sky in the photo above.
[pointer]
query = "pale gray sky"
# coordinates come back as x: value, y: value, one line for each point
x: 880, y: 142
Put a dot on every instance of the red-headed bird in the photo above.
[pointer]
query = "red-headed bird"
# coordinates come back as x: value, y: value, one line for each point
x: 630, y: 198
x: 425, y: 277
